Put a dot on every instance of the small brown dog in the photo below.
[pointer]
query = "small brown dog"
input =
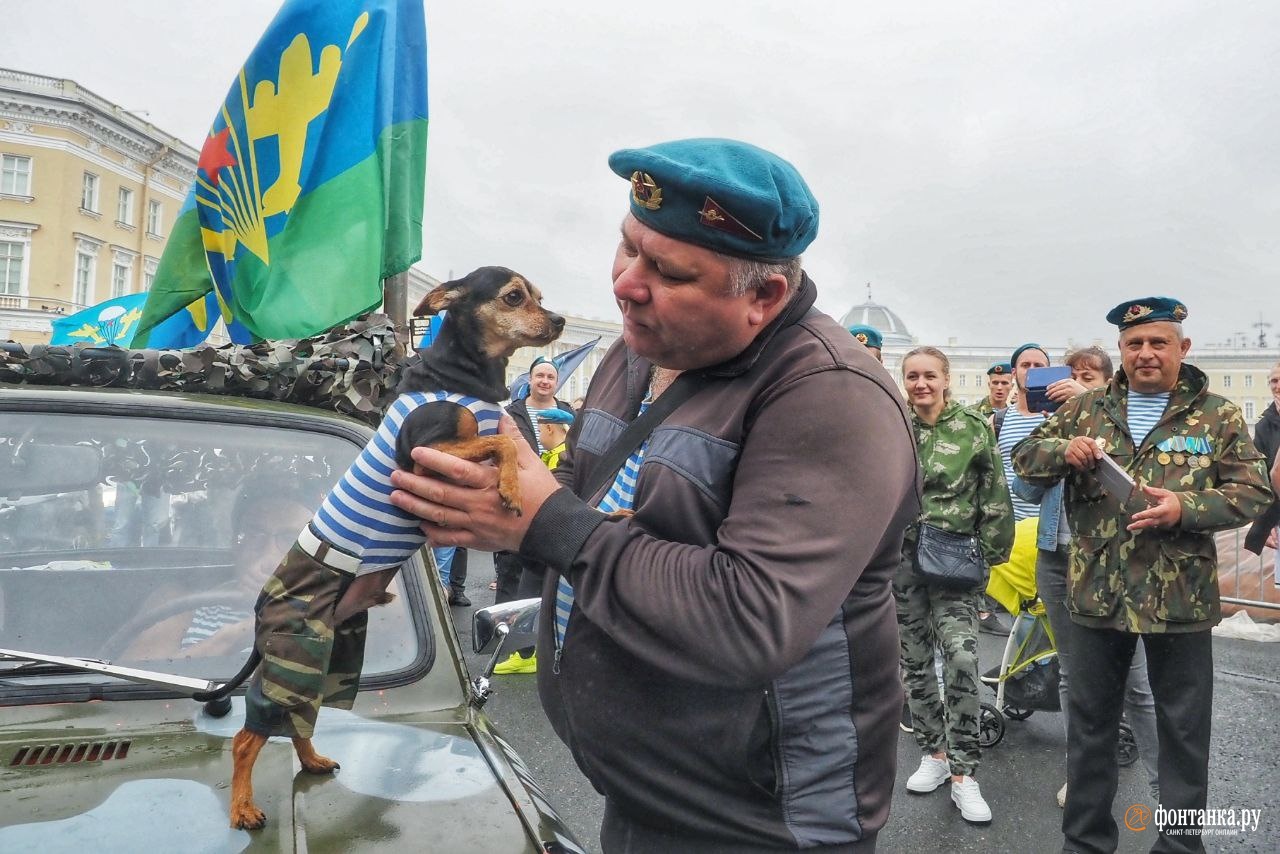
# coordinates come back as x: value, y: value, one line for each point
x: 448, y: 401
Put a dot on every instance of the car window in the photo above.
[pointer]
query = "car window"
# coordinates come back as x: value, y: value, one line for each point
x: 145, y: 541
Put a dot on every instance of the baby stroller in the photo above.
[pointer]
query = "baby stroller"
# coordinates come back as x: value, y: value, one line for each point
x: 1027, y: 681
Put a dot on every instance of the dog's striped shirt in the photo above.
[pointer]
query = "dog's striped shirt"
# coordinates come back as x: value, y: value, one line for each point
x: 358, y: 517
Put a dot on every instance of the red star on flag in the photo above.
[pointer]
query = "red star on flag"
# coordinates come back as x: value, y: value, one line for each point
x: 215, y: 155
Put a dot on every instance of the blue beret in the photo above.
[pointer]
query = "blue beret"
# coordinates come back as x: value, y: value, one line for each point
x: 868, y: 335
x: 554, y: 416
x: 1013, y: 360
x: 1001, y: 368
x: 721, y: 194
x: 1147, y: 310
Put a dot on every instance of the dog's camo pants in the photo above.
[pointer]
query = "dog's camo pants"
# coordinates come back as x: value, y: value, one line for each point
x: 307, y: 662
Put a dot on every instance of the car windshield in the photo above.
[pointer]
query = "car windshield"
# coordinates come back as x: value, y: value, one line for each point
x: 145, y: 541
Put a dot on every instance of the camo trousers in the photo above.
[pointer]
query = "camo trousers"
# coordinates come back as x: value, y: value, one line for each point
x: 307, y: 662
x: 947, y: 620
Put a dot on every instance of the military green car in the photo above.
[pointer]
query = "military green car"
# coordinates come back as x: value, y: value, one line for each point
x: 128, y: 562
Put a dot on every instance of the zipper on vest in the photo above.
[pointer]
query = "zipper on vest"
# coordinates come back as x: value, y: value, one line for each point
x: 555, y: 662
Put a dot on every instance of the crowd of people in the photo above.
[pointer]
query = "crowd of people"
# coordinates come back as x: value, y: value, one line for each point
x: 743, y: 552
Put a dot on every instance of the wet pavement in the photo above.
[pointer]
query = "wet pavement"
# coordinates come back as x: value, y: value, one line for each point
x: 1020, y: 776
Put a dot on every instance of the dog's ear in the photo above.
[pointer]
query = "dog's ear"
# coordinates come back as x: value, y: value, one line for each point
x: 438, y: 300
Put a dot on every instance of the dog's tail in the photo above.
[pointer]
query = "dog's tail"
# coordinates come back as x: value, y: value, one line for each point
x: 255, y: 658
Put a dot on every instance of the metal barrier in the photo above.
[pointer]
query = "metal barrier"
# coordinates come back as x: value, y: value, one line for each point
x: 1246, y: 579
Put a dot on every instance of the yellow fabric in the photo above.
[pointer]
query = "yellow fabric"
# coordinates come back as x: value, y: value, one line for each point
x: 1015, y: 581
x: 552, y: 457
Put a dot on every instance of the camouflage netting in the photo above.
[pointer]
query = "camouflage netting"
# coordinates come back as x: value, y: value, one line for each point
x: 352, y: 369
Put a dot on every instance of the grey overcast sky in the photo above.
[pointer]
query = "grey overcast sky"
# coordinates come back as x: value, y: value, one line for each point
x: 998, y: 171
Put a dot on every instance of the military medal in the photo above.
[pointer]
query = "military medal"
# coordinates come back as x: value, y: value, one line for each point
x: 1164, y: 459
x: 1180, y: 459
x: 1204, y: 462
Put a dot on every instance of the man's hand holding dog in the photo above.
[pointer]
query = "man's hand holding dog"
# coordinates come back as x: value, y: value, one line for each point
x: 465, y: 509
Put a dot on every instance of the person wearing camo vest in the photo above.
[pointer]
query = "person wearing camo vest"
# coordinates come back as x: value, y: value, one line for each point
x: 1143, y: 565
x: 964, y: 493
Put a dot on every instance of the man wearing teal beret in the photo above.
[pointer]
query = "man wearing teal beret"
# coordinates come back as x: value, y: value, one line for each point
x: 869, y: 337
x: 1143, y: 566
x: 710, y: 562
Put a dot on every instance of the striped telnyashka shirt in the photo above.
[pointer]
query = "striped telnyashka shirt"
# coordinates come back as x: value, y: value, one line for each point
x: 358, y: 516
x: 1145, y: 411
x: 621, y: 496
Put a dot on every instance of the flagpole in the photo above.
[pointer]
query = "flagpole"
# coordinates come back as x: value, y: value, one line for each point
x: 395, y: 299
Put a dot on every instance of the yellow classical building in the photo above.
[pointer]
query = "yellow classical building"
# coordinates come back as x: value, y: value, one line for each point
x: 88, y: 191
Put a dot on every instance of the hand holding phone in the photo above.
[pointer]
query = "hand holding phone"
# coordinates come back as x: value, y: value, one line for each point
x: 1038, y: 380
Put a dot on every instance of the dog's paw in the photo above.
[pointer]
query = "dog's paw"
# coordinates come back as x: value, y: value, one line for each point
x: 511, y: 503
x: 247, y: 817
x: 318, y: 764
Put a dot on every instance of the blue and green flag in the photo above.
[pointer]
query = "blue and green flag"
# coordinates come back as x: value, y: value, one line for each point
x: 309, y: 187
x: 115, y: 322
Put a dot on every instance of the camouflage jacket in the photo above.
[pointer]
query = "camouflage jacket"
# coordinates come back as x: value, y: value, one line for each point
x: 984, y: 408
x: 1152, y: 580
x: 964, y: 487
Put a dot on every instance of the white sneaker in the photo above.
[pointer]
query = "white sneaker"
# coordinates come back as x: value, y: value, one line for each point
x: 968, y: 797
x: 931, y: 774
x: 1062, y: 797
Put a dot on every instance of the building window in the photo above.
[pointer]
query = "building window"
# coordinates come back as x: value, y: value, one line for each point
x: 964, y: 380
x: 1226, y: 380
x: 12, y: 256
x: 155, y: 218
x: 1248, y: 380
x: 124, y: 206
x: 89, y: 193
x: 119, y: 279
x: 15, y: 175
x: 148, y: 273
x: 84, y: 279
x: 1248, y: 410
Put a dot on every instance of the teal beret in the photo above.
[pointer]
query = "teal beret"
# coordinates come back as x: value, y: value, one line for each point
x: 721, y: 194
x: 868, y: 335
x: 1001, y: 368
x: 554, y: 416
x: 1013, y: 360
x: 1147, y: 310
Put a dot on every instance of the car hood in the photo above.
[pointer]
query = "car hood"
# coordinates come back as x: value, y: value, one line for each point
x: 166, y: 785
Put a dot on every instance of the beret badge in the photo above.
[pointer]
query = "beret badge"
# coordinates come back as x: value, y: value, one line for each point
x: 645, y: 190
x: 1137, y: 311
x: 998, y: 369
x: 862, y: 337
x: 1179, y: 312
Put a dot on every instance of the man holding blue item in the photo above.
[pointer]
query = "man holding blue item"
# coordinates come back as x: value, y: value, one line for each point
x: 721, y: 644
x: 1149, y: 575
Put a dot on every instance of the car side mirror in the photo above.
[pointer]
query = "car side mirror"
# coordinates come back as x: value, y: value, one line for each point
x: 514, y: 622
x: 496, y: 629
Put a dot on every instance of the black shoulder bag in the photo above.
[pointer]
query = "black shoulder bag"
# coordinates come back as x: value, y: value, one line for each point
x: 951, y: 561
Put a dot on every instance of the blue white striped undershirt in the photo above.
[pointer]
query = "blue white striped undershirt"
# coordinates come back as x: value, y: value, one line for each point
x: 621, y: 496
x: 1145, y: 411
x: 358, y: 516
x: 208, y: 619
x: 1015, y: 428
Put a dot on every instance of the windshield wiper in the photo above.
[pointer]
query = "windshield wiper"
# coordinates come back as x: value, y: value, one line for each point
x: 37, y: 660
